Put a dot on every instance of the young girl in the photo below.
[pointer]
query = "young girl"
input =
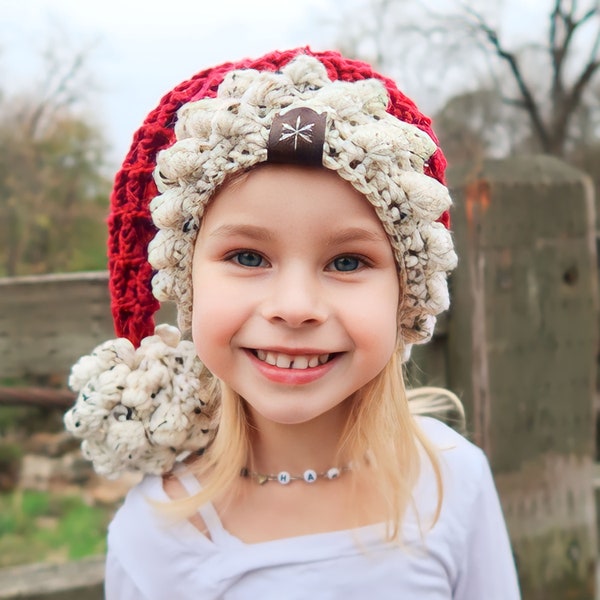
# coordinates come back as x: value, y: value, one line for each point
x: 298, y: 218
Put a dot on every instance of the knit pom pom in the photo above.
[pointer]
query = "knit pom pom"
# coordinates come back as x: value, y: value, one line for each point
x: 138, y: 410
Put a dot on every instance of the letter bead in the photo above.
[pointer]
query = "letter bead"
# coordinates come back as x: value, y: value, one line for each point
x: 333, y: 473
x: 283, y: 477
x: 310, y: 476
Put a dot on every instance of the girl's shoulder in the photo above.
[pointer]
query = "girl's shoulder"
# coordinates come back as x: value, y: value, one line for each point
x: 450, y: 444
x: 147, y: 542
x: 465, y: 470
x: 471, y: 524
x: 144, y: 513
x: 139, y: 518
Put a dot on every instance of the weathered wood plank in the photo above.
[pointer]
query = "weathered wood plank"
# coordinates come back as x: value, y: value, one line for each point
x: 43, y: 397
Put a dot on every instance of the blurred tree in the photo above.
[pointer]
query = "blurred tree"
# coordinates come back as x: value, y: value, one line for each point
x: 373, y: 30
x: 549, y: 81
x: 476, y: 124
x: 538, y: 91
x: 53, y: 192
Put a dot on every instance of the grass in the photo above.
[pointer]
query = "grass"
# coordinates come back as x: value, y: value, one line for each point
x: 41, y: 526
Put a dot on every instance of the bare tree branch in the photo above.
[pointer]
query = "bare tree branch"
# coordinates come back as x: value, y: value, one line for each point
x: 588, y: 15
x: 517, y: 102
x: 546, y: 82
x: 510, y: 58
x: 57, y: 95
x: 572, y: 100
x: 559, y: 47
x: 582, y: 81
x: 555, y: 48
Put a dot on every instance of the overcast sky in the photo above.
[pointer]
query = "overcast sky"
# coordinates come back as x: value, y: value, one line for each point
x: 142, y: 48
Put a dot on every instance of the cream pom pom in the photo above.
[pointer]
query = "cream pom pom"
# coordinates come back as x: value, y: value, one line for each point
x: 137, y: 410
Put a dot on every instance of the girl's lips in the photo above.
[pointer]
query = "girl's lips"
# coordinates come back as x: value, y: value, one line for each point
x: 291, y: 376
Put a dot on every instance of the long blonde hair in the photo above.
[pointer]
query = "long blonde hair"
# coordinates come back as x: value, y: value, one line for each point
x: 380, y: 425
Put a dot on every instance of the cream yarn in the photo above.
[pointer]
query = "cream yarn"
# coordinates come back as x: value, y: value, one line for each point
x: 142, y: 409
x: 138, y: 410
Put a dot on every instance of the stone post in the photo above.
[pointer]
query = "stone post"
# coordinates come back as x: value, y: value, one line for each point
x: 522, y: 346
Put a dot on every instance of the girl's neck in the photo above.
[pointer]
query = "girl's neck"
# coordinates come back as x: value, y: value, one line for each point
x: 294, y: 448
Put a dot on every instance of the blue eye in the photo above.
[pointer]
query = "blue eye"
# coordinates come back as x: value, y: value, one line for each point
x: 248, y: 259
x: 346, y: 263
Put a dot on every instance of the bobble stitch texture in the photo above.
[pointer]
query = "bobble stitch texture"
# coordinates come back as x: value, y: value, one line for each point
x: 137, y: 410
x: 383, y: 157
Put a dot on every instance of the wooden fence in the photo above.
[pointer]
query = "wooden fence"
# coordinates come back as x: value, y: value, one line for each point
x: 519, y: 346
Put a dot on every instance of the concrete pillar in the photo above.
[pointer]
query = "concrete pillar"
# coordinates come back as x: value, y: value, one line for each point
x: 522, y: 346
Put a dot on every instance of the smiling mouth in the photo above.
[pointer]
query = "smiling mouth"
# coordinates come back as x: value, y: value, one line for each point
x: 296, y: 361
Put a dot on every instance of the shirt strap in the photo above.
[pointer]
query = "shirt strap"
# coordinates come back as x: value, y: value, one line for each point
x: 207, y: 511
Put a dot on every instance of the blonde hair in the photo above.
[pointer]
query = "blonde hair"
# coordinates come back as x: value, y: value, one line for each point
x: 380, y: 426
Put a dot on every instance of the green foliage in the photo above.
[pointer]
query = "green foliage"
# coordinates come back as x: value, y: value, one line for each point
x: 28, y: 419
x: 40, y: 526
x: 53, y: 190
x: 89, y: 254
x: 10, y: 464
x: 9, y: 452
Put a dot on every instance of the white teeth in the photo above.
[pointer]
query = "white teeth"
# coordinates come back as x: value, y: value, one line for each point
x: 300, y: 362
x: 285, y: 361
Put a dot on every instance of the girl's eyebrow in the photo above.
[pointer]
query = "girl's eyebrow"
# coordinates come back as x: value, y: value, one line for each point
x: 356, y: 234
x: 254, y: 232
x: 337, y: 238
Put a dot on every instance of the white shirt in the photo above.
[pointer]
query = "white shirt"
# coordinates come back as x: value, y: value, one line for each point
x: 465, y: 556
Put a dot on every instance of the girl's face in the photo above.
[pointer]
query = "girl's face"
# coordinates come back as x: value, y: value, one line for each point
x: 295, y: 291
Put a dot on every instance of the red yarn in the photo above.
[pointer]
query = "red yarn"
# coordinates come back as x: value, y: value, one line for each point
x: 130, y: 225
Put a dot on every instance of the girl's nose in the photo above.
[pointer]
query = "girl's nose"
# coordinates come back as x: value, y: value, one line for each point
x: 295, y: 298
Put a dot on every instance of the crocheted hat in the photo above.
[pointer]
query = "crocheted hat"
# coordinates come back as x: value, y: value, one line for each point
x: 297, y: 106
x: 375, y: 138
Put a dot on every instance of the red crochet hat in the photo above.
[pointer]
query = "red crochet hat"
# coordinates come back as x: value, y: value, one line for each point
x: 130, y: 224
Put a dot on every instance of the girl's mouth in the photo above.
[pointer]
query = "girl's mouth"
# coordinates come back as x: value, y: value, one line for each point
x: 295, y: 361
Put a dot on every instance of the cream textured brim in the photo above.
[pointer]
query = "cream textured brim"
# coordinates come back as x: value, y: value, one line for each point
x: 380, y: 155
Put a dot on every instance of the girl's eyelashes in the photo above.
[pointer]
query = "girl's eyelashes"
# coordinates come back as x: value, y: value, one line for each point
x: 247, y: 258
x: 346, y: 263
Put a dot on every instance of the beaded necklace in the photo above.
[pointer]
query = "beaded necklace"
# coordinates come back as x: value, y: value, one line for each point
x: 283, y: 477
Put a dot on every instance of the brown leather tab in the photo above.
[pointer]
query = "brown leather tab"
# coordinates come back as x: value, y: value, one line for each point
x: 297, y: 137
